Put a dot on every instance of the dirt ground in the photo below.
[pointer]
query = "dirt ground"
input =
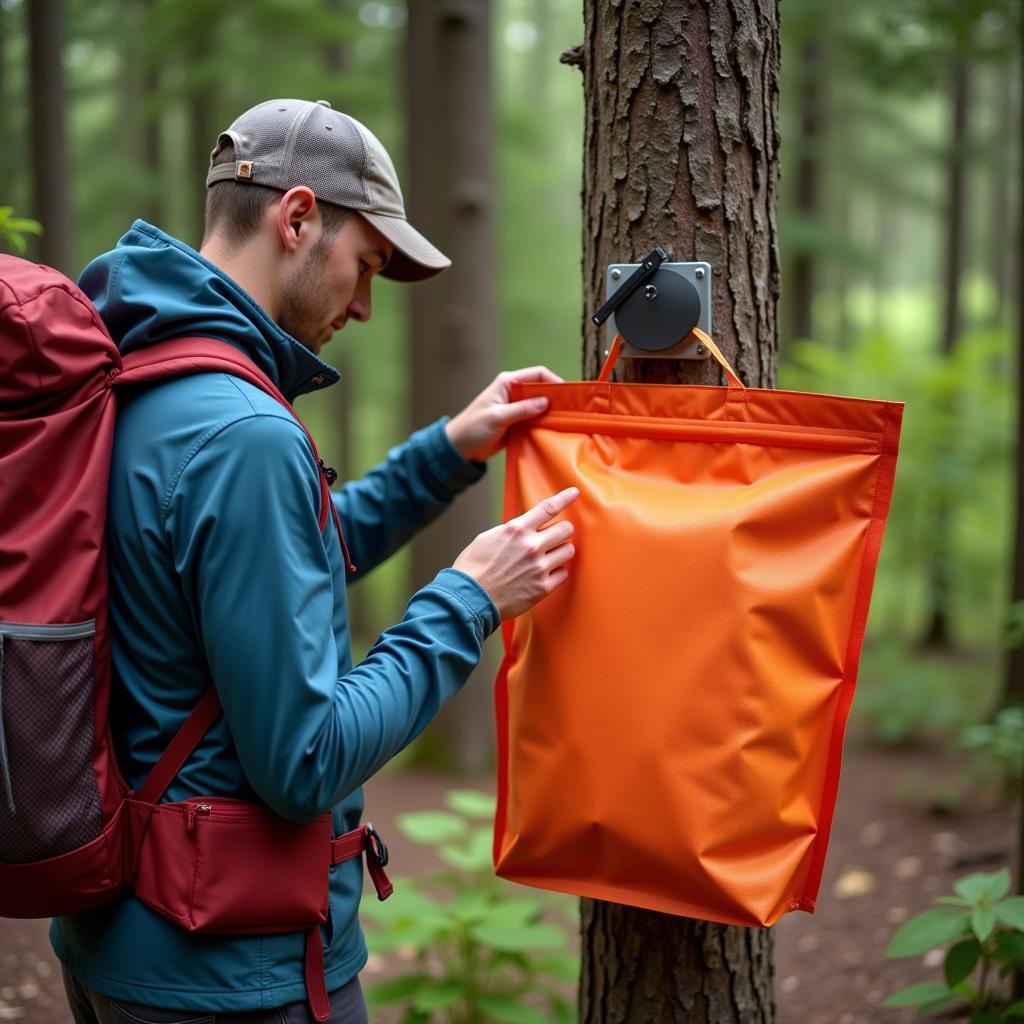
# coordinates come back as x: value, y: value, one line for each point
x: 888, y: 857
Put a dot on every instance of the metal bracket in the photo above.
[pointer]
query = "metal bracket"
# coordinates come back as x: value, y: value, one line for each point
x: 663, y: 303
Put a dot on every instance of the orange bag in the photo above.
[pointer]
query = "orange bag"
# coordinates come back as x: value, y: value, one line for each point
x: 670, y: 720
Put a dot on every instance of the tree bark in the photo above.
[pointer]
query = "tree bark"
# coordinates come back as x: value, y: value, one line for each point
x: 453, y: 318
x: 937, y: 634
x: 681, y: 150
x: 51, y: 167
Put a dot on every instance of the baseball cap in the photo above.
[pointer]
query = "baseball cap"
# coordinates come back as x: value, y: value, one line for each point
x: 284, y: 143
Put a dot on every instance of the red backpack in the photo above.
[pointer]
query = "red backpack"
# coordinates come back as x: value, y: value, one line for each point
x: 72, y: 834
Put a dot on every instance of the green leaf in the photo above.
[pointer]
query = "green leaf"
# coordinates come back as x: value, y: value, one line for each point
x: 983, y: 921
x: 512, y: 912
x: 407, y: 904
x: 509, y: 1010
x: 1015, y: 1009
x: 439, y: 995
x: 953, y: 901
x: 916, y: 995
x: 562, y: 1011
x: 386, y: 993
x: 1011, y: 912
x: 927, y: 930
x: 983, y: 888
x: 33, y: 227
x: 961, y: 960
x: 985, y: 1017
x: 472, y: 803
x: 474, y: 854
x: 470, y: 905
x: 1010, y: 945
x: 431, y: 827
x: 519, y: 937
x: 562, y: 966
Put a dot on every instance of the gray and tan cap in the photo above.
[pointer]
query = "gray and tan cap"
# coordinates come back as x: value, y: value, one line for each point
x: 284, y: 143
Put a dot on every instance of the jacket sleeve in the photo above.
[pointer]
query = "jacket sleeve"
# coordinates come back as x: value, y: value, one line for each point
x: 243, y: 524
x: 417, y: 481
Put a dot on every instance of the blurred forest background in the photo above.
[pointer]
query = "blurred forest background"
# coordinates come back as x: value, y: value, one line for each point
x: 900, y: 219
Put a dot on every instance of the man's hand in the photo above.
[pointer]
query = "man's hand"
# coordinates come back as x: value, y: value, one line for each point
x: 478, y: 432
x: 523, y: 560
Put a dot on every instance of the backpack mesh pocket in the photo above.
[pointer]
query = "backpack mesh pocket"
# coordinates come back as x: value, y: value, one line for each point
x: 49, y: 800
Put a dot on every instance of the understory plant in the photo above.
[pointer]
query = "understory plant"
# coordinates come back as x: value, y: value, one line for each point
x: 477, y: 948
x: 995, y: 751
x: 13, y: 229
x: 984, y: 930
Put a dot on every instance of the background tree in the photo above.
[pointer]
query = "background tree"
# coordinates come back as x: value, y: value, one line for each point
x: 453, y: 327
x: 681, y: 149
x: 51, y: 164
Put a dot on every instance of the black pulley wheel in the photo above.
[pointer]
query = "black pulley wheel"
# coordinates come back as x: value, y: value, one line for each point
x: 660, y: 313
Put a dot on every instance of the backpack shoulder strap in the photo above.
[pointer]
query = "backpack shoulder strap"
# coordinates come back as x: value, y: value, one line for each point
x: 184, y: 356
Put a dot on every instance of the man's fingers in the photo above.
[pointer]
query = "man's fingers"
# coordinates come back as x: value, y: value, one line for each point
x: 555, y: 534
x: 539, y: 373
x: 542, y: 512
x: 559, y: 556
x: 513, y: 412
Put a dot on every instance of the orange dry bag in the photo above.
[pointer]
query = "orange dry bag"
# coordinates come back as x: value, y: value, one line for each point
x: 670, y: 720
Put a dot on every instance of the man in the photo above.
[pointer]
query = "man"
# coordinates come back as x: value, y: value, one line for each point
x: 220, y: 572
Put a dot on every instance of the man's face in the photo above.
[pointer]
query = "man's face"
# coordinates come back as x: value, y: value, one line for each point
x: 333, y: 284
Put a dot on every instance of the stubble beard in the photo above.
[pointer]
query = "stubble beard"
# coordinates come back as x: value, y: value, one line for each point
x: 305, y: 305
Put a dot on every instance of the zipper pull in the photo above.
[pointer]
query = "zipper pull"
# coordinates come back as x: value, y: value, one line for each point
x: 328, y: 471
x: 193, y: 810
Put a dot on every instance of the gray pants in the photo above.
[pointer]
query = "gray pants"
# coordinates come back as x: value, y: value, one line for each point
x: 90, y: 1007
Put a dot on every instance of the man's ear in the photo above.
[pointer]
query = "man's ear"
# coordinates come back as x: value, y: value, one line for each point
x: 296, y: 213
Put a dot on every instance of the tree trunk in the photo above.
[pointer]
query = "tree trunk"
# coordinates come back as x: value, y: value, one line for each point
x: 937, y: 635
x: 1002, y: 178
x: 340, y: 398
x: 800, y: 284
x: 1015, y: 680
x: 201, y: 127
x: 51, y: 169
x: 453, y: 326
x: 681, y: 150
x: 1013, y: 686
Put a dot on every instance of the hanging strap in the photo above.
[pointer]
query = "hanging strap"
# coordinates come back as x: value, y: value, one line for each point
x: 704, y: 339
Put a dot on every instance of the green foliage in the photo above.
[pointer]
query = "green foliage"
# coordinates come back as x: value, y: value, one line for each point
x: 13, y: 230
x: 905, y: 696
x: 995, y: 749
x: 985, y: 928
x: 480, y: 951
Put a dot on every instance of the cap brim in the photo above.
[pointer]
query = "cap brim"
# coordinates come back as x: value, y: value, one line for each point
x: 414, y: 258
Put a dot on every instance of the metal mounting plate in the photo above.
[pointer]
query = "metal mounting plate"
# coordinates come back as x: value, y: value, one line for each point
x: 697, y: 274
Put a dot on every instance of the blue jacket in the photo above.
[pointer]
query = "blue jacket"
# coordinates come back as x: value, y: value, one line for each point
x: 219, y: 572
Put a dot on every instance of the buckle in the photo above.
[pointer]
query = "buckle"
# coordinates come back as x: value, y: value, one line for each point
x: 376, y: 846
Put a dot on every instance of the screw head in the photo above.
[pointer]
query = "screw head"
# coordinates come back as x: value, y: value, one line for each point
x: 698, y: 273
x: 700, y: 349
x: 616, y: 274
x: 650, y: 292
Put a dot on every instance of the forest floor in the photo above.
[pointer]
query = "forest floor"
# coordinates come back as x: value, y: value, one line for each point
x: 891, y: 853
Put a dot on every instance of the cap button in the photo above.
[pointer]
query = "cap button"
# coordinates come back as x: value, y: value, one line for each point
x: 318, y: 379
x: 324, y: 103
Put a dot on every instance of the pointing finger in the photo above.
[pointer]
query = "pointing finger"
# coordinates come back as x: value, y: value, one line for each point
x: 537, y: 516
